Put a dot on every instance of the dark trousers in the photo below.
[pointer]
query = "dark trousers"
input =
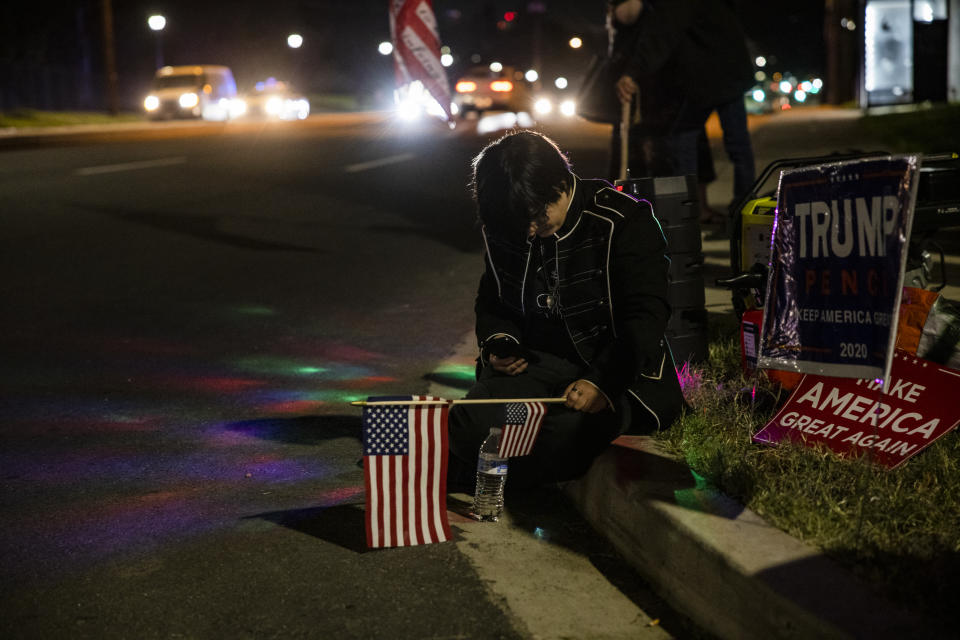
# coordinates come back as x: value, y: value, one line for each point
x: 737, y: 145
x: 656, y: 151
x: 568, y: 440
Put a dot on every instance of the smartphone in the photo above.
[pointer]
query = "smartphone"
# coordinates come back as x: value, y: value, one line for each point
x: 509, y: 348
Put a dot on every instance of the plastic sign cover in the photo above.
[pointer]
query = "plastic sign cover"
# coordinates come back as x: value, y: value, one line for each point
x: 837, y: 257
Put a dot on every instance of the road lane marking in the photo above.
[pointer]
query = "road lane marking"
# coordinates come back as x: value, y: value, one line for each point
x: 380, y: 162
x: 129, y: 166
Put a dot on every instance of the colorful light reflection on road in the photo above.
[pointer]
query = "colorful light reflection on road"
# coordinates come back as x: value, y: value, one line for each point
x: 133, y: 443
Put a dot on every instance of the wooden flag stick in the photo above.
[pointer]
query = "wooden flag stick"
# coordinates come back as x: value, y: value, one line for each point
x: 505, y: 400
x: 364, y: 403
x: 624, y: 139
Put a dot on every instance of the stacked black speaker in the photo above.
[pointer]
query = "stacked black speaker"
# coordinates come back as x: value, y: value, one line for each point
x: 676, y: 206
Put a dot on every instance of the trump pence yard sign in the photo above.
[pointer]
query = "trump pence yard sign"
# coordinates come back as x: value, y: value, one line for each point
x: 836, y: 267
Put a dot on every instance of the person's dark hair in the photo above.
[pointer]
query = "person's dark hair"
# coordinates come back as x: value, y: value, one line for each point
x: 515, y: 178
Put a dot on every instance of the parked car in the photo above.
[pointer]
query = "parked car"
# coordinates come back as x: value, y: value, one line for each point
x: 204, y: 91
x: 482, y: 89
x: 276, y: 99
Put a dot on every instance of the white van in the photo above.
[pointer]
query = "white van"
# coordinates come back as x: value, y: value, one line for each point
x: 205, y: 91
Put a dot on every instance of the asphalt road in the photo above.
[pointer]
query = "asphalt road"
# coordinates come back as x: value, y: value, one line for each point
x: 186, y: 313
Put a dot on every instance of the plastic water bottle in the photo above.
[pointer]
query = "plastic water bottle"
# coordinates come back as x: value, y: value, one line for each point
x: 491, y: 478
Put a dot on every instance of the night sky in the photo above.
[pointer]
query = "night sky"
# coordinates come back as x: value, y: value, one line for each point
x: 341, y: 36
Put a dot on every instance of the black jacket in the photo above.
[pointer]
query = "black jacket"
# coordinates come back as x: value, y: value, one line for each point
x: 688, y: 56
x: 612, y: 295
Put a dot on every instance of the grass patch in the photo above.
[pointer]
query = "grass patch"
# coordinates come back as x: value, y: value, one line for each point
x: 38, y: 118
x: 899, y: 530
x: 922, y: 130
x: 333, y: 102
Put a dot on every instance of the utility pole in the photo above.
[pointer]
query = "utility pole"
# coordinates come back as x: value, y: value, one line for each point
x: 109, y: 57
x: 84, y: 99
x: 843, y: 50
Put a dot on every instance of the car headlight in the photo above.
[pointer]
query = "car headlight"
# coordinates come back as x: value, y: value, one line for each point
x: 568, y: 108
x: 543, y: 106
x: 408, y: 110
x: 238, y: 107
x: 189, y: 100
x: 151, y: 103
x: 302, y: 107
x: 274, y: 106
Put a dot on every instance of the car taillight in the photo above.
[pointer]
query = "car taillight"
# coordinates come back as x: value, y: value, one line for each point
x: 501, y: 86
x: 466, y: 86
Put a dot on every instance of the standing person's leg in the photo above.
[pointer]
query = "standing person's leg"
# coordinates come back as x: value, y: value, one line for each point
x: 736, y: 143
x: 680, y: 140
x: 706, y: 173
x: 682, y: 148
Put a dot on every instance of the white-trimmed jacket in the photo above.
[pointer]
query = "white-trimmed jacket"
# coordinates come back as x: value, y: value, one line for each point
x: 612, y: 295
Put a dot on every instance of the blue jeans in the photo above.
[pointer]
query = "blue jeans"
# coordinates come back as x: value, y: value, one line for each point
x: 736, y: 143
x: 681, y: 147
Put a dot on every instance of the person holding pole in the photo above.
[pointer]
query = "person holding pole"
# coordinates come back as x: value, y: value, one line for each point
x: 572, y: 304
x: 683, y: 59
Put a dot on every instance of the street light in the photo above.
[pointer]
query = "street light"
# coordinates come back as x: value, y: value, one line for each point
x: 156, y: 23
x: 294, y: 40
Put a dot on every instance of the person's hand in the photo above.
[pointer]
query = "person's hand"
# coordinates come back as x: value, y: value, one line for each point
x: 626, y: 88
x: 628, y: 11
x: 583, y: 396
x: 511, y: 365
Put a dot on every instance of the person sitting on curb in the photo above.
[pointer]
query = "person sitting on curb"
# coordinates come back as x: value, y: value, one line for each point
x: 572, y: 303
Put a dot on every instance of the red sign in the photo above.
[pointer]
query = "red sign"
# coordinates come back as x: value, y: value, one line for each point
x: 854, y: 417
x: 416, y: 48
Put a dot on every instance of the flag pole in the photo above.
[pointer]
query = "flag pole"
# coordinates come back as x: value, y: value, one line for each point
x: 364, y: 403
x: 625, y: 139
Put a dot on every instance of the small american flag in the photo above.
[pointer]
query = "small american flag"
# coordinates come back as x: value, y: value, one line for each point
x: 520, y: 429
x: 405, y: 465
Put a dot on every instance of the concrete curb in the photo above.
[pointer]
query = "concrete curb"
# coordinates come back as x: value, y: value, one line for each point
x: 718, y: 562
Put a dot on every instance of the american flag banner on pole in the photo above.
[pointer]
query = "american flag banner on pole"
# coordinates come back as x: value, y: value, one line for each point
x: 520, y: 429
x: 405, y: 469
x: 416, y: 48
